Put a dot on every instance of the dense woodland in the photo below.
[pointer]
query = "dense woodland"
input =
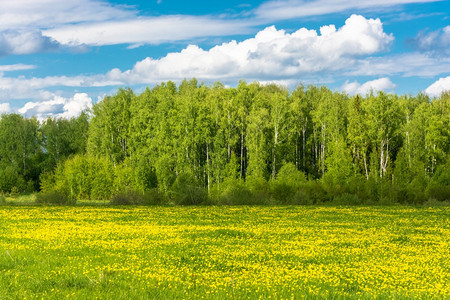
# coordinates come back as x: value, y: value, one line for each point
x: 253, y: 144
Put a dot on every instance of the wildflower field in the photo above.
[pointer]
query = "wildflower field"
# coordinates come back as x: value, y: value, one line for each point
x: 90, y: 252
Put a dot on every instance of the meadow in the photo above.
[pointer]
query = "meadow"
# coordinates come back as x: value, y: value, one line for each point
x: 243, y: 252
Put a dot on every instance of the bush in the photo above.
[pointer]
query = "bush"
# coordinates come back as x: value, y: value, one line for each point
x: 315, y: 192
x: 54, y: 197
x: 285, y: 188
x: 281, y: 192
x: 301, y: 198
x: 14, y: 192
x: 154, y: 196
x: 259, y: 191
x: 186, y: 191
x: 2, y: 199
x: 235, y: 193
x: 150, y: 197
x: 436, y: 203
x: 126, y: 198
x: 10, y: 179
x: 347, y: 199
x: 439, y: 185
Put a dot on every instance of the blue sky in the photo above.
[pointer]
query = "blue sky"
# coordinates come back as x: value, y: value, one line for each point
x: 59, y: 57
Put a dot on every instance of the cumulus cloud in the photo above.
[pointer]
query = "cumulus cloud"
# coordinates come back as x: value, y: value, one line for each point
x: 381, y: 84
x: 288, y: 9
x: 24, y: 41
x: 270, y: 54
x: 441, y: 85
x: 57, y: 107
x: 436, y: 42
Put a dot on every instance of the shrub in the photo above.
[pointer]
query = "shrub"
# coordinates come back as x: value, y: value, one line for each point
x: 316, y: 193
x: 235, y: 193
x: 288, y: 181
x: 300, y: 198
x: 54, y: 197
x: 439, y: 185
x: 126, y: 198
x: 259, y: 191
x: 14, y: 192
x: 154, y: 196
x: 186, y: 191
x: 281, y: 192
x: 81, y: 177
x: 347, y: 199
x: 10, y: 178
x: 150, y: 197
x: 432, y: 202
x: 2, y: 199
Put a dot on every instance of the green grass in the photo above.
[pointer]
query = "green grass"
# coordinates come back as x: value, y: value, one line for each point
x: 22, y: 199
x: 88, y: 252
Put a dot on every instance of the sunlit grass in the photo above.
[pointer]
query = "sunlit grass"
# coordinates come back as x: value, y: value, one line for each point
x: 224, y: 252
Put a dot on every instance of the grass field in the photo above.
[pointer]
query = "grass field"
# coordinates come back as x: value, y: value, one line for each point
x: 224, y: 252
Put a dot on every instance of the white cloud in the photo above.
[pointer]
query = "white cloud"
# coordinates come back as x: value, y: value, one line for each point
x: 436, y: 42
x: 36, y: 23
x: 408, y: 64
x: 441, y: 85
x: 145, y: 30
x: 54, y: 13
x: 272, y: 54
x: 381, y: 84
x: 288, y: 9
x: 58, y: 107
x: 25, y: 41
x: 16, y: 67
x: 5, y: 108
x: 22, y: 22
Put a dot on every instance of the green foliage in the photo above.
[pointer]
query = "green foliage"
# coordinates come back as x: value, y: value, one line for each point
x: 285, y: 189
x: 251, y: 140
x: 10, y: 178
x: 81, y: 177
x: 316, y: 193
x: 125, y: 179
x: 235, y: 192
x: 150, y: 197
x: 347, y: 199
x: 439, y: 186
x: 54, y: 197
x: 110, y: 126
x: 127, y: 198
x: 14, y: 192
x: 259, y: 189
x: 154, y: 196
x: 186, y: 191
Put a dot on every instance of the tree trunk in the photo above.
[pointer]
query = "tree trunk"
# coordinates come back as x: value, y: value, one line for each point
x: 303, y: 148
x: 365, y: 167
x: 274, y: 153
x: 207, y: 164
x: 242, y: 156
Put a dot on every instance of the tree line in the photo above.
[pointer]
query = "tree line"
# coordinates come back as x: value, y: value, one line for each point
x: 252, y: 144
